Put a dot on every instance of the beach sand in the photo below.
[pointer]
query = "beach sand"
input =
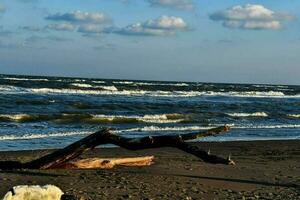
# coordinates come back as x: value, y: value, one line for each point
x: 264, y: 170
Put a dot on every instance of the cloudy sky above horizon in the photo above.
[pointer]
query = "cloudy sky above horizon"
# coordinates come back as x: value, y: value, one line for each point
x: 181, y: 40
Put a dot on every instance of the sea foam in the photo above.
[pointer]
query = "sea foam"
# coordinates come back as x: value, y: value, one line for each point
x: 294, y: 115
x: 256, y: 114
x: 112, y: 90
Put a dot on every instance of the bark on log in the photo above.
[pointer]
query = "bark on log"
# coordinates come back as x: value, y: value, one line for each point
x: 58, y: 158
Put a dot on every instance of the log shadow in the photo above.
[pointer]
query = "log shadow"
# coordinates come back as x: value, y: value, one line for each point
x: 264, y: 183
x: 32, y: 173
x: 233, y: 180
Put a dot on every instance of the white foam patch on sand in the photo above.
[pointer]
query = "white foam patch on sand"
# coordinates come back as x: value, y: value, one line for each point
x: 256, y: 114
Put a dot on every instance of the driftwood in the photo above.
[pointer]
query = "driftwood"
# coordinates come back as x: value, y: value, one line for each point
x: 108, y: 163
x: 60, y: 158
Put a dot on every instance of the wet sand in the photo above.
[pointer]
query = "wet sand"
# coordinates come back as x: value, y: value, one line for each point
x: 264, y: 170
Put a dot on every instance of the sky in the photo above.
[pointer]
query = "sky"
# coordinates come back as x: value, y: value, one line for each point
x: 232, y: 41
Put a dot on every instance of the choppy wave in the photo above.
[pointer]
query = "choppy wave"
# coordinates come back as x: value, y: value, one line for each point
x: 150, y: 84
x: 15, y: 117
x: 195, y: 128
x: 79, y: 80
x: 82, y: 85
x: 161, y: 84
x: 123, y: 82
x: 277, y: 126
x: 112, y: 90
x: 25, y: 79
x: 101, y: 82
x: 158, y: 128
x: 96, y: 118
x: 294, y: 115
x: 145, y: 129
x: 40, y: 136
x: 159, y: 118
x: 256, y: 114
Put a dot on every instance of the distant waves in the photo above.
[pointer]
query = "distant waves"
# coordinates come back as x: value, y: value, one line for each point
x: 113, y: 90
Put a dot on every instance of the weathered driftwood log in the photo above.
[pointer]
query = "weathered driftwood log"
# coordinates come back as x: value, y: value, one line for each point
x: 58, y: 158
x: 108, y: 163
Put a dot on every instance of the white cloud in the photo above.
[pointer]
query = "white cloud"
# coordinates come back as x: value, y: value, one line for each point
x: 164, y: 25
x: 90, y: 28
x: 80, y: 17
x: 31, y: 28
x: 36, y: 39
x: 176, y: 4
x: 61, y: 27
x: 250, y: 17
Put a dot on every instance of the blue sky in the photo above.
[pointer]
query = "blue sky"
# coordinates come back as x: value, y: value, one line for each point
x: 183, y: 40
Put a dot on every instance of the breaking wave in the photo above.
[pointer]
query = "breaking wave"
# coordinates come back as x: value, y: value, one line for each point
x: 25, y: 79
x: 40, y: 136
x: 123, y: 82
x: 15, y: 117
x: 256, y: 114
x: 294, y: 115
x: 277, y: 126
x: 82, y: 85
x: 161, y: 84
x: 101, y: 82
x: 141, y: 129
x: 112, y: 90
x: 160, y: 118
x: 157, y: 128
x: 195, y: 128
x: 90, y: 118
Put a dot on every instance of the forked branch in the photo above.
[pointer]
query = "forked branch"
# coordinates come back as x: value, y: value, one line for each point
x: 107, y: 136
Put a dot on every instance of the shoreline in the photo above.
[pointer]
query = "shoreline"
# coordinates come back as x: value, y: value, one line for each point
x: 266, y: 169
x: 111, y: 146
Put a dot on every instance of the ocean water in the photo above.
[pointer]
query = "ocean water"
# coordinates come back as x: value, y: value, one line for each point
x: 51, y: 112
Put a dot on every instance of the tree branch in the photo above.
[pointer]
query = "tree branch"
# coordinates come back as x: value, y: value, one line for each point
x: 106, y: 136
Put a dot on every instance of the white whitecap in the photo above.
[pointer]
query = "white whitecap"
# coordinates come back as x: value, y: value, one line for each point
x: 82, y: 85
x: 294, y: 115
x: 158, y: 118
x: 40, y: 136
x: 256, y: 114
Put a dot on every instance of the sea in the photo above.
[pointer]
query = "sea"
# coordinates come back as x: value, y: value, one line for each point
x: 52, y: 112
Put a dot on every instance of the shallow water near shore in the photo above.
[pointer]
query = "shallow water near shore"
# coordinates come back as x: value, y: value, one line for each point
x: 51, y: 112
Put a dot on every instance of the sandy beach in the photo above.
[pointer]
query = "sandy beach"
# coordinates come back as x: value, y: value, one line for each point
x: 264, y: 170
